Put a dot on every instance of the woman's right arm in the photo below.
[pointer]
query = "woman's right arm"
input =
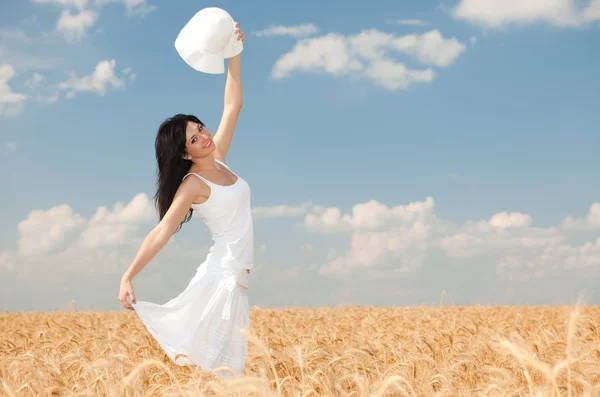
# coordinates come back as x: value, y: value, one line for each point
x: 160, y: 235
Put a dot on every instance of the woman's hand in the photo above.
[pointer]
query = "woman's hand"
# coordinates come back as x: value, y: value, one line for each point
x: 126, y: 289
x: 240, y: 35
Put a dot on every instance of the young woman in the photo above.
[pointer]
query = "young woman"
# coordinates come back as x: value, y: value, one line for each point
x: 201, y: 326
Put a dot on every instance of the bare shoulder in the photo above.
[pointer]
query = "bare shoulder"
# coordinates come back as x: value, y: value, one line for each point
x: 194, y: 187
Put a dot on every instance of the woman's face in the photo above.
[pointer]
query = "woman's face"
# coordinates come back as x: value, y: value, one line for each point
x: 199, y: 142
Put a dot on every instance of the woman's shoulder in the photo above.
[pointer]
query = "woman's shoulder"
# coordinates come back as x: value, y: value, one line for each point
x: 194, y: 183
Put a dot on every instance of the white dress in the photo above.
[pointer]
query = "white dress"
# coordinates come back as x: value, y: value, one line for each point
x: 201, y: 326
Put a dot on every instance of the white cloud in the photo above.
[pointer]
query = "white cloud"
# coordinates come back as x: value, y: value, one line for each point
x: 371, y: 215
x: 49, y: 99
x: 73, y: 26
x: 593, y: 219
x: 402, y: 248
x: 59, y: 228
x: 102, y: 78
x: 58, y: 239
x: 500, y: 13
x: 504, y: 220
x: 411, y: 22
x: 7, y: 72
x: 473, y: 41
x: 4, y: 261
x: 133, y: 7
x: 381, y: 235
x: 590, y: 223
x: 11, y: 103
x: 302, y: 30
x: 395, y: 76
x: 127, y: 71
x: 35, y: 81
x: 430, y: 48
x: 45, y: 231
x: 110, y: 228
x: 405, y: 236
x: 79, y: 4
x: 11, y: 146
x: 592, y: 11
x: 31, y: 53
x: 368, y: 54
x: 281, y: 211
x: 328, y: 53
x: 7, y: 35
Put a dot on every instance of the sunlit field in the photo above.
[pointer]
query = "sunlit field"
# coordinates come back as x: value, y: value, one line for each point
x: 351, y: 351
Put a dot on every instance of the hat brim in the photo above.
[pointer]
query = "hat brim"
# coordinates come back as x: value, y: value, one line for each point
x: 233, y: 48
x: 203, y: 61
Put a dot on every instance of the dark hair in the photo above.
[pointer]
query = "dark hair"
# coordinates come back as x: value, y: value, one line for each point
x: 172, y: 167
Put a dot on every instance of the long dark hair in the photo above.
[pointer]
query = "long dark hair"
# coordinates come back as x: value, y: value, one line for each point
x: 172, y: 167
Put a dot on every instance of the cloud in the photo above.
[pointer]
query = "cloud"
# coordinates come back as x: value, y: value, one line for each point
x: 62, y: 239
x: 50, y: 99
x: 370, y: 215
x: 504, y: 220
x: 388, y: 249
x: 133, y: 7
x: 73, y: 26
x: 380, y: 235
x: 111, y: 228
x: 11, y: 103
x: 45, y: 231
x: 368, y: 54
x: 50, y: 231
x: 281, y: 211
x: 404, y: 237
x: 500, y: 13
x: 99, y: 81
x: 35, y: 81
x: 11, y: 146
x: 589, y: 223
x: 293, y: 31
x: 7, y: 72
x: 78, y: 4
x: 30, y: 53
x: 127, y: 71
x: 411, y: 22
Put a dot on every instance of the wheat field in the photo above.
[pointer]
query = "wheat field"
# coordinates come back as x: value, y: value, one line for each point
x: 346, y: 351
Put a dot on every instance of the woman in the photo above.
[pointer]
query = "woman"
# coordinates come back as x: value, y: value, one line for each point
x: 201, y: 326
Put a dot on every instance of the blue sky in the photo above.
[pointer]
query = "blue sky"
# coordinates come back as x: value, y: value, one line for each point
x: 395, y: 153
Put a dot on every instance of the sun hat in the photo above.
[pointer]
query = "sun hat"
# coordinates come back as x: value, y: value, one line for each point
x: 208, y: 39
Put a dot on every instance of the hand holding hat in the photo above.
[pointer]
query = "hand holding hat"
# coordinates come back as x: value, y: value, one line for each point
x: 209, y: 37
x: 240, y: 35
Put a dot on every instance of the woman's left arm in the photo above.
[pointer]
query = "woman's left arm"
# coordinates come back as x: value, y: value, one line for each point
x: 232, y: 103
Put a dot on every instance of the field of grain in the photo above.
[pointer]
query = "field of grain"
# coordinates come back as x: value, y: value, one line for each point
x: 351, y: 351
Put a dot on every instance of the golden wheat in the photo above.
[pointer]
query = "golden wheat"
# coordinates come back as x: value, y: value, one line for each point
x: 351, y: 351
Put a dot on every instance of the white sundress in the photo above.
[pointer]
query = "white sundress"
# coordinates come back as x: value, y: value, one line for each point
x: 202, y: 325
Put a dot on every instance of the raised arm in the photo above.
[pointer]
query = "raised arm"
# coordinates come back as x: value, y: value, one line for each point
x: 232, y: 103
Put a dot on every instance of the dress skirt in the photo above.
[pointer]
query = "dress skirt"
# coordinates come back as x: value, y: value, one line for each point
x: 202, y: 325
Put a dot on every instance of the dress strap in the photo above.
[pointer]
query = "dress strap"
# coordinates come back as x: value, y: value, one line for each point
x: 201, y: 178
x: 226, y: 166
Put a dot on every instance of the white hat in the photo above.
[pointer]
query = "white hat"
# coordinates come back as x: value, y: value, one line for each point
x: 207, y: 39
